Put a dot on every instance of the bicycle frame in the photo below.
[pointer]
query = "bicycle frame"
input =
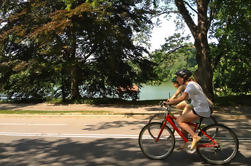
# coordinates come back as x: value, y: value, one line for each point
x: 170, y: 119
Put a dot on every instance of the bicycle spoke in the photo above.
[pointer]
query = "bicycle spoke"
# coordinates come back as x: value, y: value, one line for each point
x: 225, y: 148
x: 152, y: 149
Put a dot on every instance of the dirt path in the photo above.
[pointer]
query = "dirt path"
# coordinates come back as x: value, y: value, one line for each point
x: 133, y: 109
x: 79, y: 107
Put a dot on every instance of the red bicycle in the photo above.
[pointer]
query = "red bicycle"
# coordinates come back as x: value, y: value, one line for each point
x: 218, y: 144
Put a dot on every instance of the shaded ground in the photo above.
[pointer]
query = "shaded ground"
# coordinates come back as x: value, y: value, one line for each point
x: 43, y: 151
x: 119, y: 152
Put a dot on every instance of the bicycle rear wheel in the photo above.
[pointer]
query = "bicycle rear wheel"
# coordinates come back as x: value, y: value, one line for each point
x: 208, y: 121
x: 226, y: 148
x: 152, y: 149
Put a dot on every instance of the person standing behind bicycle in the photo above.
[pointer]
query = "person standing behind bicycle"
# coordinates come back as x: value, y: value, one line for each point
x: 179, y: 91
x: 199, y: 106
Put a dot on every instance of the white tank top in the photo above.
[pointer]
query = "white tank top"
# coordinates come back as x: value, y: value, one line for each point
x: 198, y: 99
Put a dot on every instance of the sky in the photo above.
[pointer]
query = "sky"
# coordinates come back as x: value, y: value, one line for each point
x: 166, y: 29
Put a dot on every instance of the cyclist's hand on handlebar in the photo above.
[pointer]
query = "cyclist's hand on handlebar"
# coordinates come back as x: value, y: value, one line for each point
x: 164, y: 103
x: 169, y: 100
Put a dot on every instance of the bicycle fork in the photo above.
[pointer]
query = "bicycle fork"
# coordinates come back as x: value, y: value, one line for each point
x: 161, y: 130
x: 173, y: 125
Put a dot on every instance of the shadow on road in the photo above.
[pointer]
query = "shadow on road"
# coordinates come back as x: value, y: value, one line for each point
x: 115, y: 124
x: 65, y: 152
x: 13, y: 106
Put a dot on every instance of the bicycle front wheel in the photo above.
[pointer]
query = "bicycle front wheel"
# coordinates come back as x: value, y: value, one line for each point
x: 160, y: 117
x: 153, y: 149
x: 226, y: 147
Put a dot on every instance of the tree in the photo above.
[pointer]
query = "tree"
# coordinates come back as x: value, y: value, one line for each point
x: 231, y: 55
x: 229, y: 22
x: 199, y: 31
x: 80, y: 44
x: 175, y: 54
x: 25, y: 72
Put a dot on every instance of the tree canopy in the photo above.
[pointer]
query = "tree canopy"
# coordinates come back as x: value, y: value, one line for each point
x: 231, y: 53
x: 75, y: 48
x: 176, y: 53
x: 223, y: 65
x: 90, y: 48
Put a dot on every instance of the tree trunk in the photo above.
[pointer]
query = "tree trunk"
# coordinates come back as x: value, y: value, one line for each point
x: 204, y: 73
x: 63, y: 87
x: 74, y: 90
x: 74, y: 83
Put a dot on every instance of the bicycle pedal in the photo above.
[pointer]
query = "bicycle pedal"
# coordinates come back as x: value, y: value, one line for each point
x: 188, y: 149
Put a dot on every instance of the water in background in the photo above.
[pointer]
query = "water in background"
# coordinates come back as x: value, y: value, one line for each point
x: 147, y: 92
x: 156, y: 92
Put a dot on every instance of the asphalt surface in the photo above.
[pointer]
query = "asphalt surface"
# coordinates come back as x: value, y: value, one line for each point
x: 94, y: 140
x: 84, y: 140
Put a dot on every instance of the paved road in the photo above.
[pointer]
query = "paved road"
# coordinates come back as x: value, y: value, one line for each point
x: 92, y: 140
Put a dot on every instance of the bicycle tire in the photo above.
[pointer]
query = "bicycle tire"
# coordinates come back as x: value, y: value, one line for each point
x: 228, y: 144
x: 208, y: 121
x: 156, y: 150
x: 160, y: 117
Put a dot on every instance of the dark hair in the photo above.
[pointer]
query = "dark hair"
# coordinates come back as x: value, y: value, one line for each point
x: 174, y: 80
x: 184, y: 73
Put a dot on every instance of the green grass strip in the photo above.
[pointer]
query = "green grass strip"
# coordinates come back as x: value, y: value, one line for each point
x: 54, y: 112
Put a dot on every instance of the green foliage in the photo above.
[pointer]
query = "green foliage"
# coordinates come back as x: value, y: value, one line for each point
x: 71, y: 48
x: 229, y: 23
x: 233, y: 100
x: 94, y: 3
x: 175, y: 54
x: 232, y: 55
x: 68, y: 3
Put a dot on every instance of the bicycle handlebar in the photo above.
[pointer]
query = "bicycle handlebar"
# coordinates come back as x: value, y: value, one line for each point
x: 168, y: 107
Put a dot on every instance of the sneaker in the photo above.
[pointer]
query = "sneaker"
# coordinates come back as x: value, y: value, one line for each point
x: 195, y: 141
x: 182, y: 146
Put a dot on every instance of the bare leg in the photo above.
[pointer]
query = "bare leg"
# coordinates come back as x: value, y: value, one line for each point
x: 182, y: 121
x: 182, y: 105
x: 188, y: 107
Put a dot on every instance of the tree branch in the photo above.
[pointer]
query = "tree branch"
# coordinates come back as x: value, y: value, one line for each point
x: 174, y: 50
x: 177, y: 48
x: 165, y: 12
x: 190, y: 7
x: 188, y: 19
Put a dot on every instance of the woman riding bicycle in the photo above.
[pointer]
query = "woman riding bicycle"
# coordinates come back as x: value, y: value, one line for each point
x: 199, y: 106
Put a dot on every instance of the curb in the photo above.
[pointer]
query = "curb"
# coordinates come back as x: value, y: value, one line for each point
x: 124, y: 114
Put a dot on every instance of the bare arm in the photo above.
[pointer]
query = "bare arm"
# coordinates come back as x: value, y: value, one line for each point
x: 175, y: 94
x: 180, y: 89
x: 184, y: 96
